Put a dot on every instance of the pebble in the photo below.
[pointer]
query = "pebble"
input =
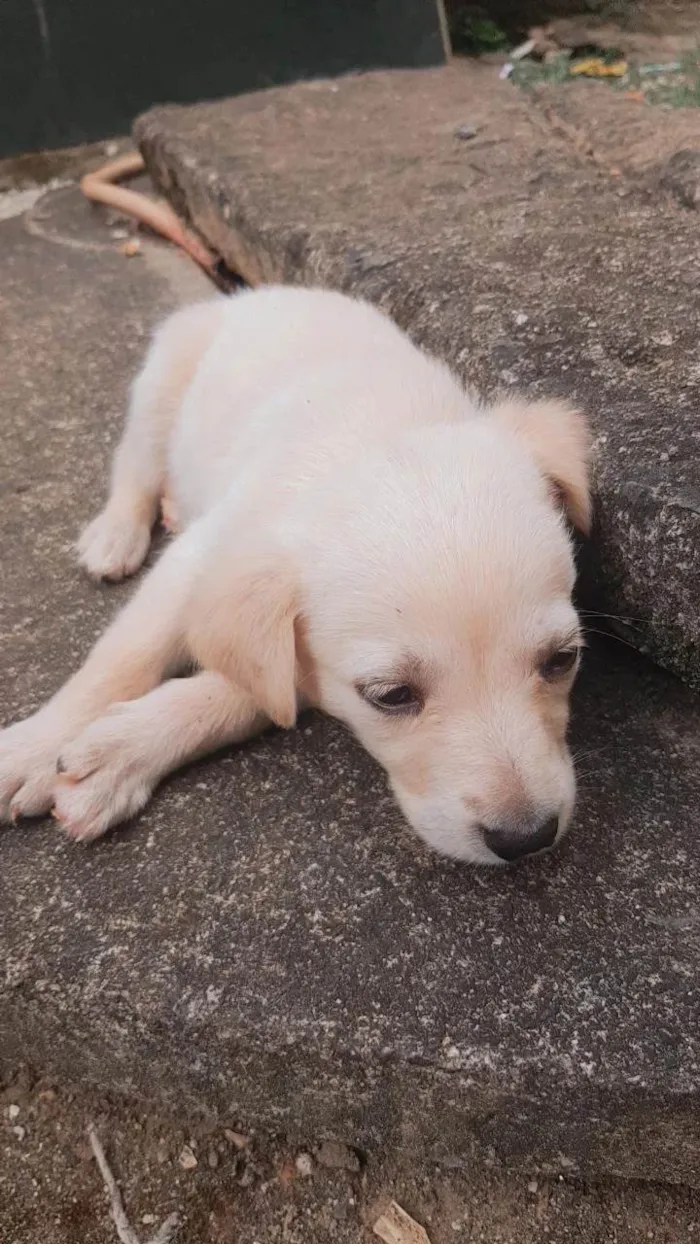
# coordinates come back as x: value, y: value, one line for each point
x: 213, y: 1159
x: 13, y: 1111
x: 187, y: 1159
x: 237, y: 1139
x: 336, y: 1156
x: 304, y: 1164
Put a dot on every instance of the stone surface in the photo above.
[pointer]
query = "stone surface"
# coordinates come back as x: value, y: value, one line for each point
x: 268, y: 941
x: 517, y: 256
x: 682, y: 176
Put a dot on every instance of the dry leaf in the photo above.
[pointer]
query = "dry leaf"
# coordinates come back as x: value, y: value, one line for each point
x: 397, y: 1227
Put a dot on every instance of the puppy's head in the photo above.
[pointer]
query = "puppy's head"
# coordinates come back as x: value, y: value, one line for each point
x: 433, y: 587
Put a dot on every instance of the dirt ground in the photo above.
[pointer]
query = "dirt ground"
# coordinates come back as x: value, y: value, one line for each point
x: 231, y: 1189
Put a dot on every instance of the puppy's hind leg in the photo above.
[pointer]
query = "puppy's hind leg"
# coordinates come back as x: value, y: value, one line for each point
x: 115, y: 543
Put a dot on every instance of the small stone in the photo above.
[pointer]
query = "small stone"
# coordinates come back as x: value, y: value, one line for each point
x: 131, y: 248
x: 304, y: 1164
x: 533, y: 1186
x: 148, y: 1220
x: 19, y: 1132
x: 465, y: 132
x: 187, y: 1160
x: 12, y: 1111
x: 336, y: 1156
x: 213, y: 1159
x: 237, y: 1139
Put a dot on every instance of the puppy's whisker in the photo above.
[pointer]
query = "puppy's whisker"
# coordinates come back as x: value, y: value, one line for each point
x: 590, y: 630
x: 633, y: 623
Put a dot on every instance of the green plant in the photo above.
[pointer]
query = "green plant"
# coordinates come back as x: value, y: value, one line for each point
x: 474, y: 33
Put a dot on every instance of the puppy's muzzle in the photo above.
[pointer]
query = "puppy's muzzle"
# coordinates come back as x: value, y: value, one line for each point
x: 511, y: 843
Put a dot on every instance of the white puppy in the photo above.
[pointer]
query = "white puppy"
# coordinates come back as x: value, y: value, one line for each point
x: 356, y: 534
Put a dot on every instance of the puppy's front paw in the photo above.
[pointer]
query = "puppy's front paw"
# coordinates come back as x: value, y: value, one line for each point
x: 103, y: 777
x: 113, y: 545
x: 28, y: 753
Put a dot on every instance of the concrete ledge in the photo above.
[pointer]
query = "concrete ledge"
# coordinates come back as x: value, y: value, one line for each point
x: 510, y: 254
x: 270, y: 944
x: 268, y: 941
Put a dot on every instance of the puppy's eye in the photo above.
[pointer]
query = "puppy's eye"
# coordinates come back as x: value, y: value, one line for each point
x: 559, y: 664
x: 392, y: 698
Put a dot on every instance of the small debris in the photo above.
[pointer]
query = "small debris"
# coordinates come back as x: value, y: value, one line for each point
x: 304, y: 1164
x: 465, y: 132
x: 19, y: 1132
x: 127, y: 1236
x: 131, y: 248
x: 506, y: 70
x: 397, y: 1227
x: 237, y: 1139
x: 523, y: 49
x: 533, y: 1186
x: 12, y: 1111
x: 187, y: 1160
x: 596, y: 67
x: 119, y: 234
x: 671, y: 67
x: 336, y: 1156
x: 213, y: 1158
x: 287, y: 1173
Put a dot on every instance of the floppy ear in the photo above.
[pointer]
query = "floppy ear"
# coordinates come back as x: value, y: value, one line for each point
x: 240, y: 622
x: 558, y: 438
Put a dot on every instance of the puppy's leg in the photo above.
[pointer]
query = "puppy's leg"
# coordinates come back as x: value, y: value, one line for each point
x: 144, y: 643
x: 109, y: 771
x: 115, y: 543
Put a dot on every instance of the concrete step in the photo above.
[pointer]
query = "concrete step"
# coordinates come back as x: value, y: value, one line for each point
x: 268, y: 941
x: 514, y: 254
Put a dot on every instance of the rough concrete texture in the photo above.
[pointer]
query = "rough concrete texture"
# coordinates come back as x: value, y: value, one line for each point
x: 269, y: 942
x: 515, y: 254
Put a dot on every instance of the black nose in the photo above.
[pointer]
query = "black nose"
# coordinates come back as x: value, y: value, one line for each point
x: 512, y: 843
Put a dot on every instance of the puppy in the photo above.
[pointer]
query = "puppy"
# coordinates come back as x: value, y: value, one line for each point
x: 356, y: 534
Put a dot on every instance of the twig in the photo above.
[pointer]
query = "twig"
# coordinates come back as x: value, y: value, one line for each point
x: 163, y: 1235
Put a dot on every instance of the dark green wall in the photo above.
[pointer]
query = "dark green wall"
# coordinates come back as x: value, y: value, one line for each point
x: 76, y: 70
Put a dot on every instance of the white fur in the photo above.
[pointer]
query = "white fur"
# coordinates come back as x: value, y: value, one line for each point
x: 348, y: 516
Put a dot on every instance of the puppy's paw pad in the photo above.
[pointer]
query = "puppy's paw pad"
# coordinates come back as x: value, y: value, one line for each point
x: 113, y: 545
